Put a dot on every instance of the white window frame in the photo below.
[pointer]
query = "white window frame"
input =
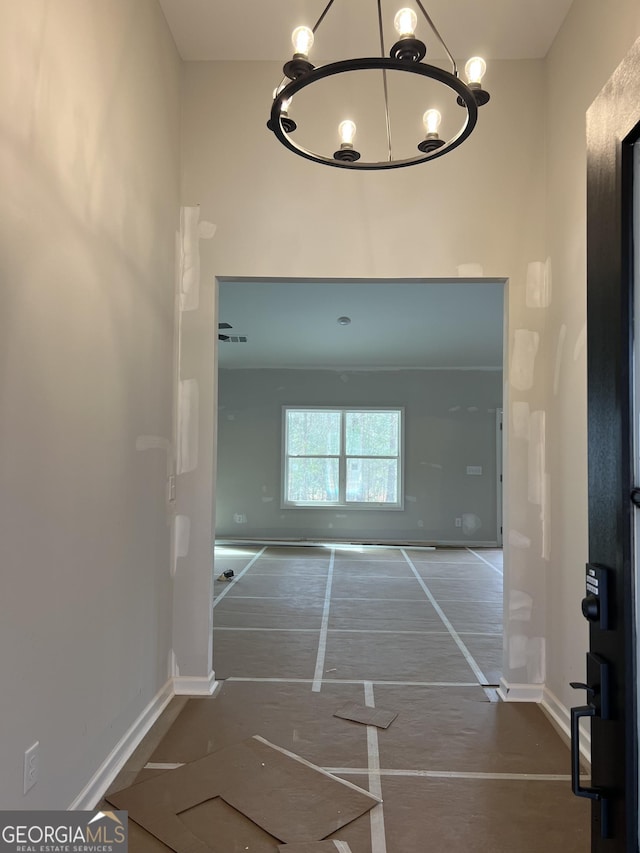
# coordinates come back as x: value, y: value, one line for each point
x: 342, y: 502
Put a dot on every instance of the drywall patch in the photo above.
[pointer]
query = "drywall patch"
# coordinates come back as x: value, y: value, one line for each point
x: 536, y: 660
x: 410, y: 498
x: 581, y: 342
x: 470, y: 523
x: 206, y: 230
x: 519, y: 540
x: 537, y: 454
x: 181, y: 535
x: 545, y: 515
x: 191, y: 232
x: 266, y: 499
x: 538, y: 290
x: 188, y: 410
x: 152, y: 442
x: 528, y: 653
x: 562, y: 335
x: 520, y: 606
x: 520, y: 416
x: 470, y: 271
x: 517, y: 654
x: 523, y: 359
x: 174, y: 669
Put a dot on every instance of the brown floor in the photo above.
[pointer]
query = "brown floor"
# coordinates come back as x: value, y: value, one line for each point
x: 301, y: 631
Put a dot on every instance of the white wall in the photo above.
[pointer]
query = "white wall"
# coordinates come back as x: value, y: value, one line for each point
x: 592, y: 42
x: 89, y: 159
x: 449, y: 423
x: 280, y: 216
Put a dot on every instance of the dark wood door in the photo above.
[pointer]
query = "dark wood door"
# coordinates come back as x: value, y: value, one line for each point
x: 610, y: 693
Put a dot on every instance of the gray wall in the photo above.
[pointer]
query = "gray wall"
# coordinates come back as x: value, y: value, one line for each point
x: 89, y: 160
x: 450, y: 422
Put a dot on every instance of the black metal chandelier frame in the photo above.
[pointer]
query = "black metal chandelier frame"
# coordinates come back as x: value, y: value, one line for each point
x: 469, y: 96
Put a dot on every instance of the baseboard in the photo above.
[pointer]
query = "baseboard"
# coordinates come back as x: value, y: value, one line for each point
x: 94, y: 790
x: 395, y: 543
x: 520, y: 692
x: 560, y: 718
x: 185, y: 685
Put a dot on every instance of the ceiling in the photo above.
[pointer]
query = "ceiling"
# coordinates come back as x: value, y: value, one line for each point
x: 394, y: 324
x: 261, y: 29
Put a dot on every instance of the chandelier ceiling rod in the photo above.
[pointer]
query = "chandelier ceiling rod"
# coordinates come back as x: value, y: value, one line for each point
x: 321, y: 18
x: 384, y: 82
x: 438, y: 36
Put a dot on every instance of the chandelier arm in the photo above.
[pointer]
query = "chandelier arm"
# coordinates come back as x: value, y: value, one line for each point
x: 384, y: 82
x: 438, y: 36
x: 322, y: 16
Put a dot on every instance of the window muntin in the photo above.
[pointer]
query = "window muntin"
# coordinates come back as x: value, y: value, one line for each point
x: 349, y: 457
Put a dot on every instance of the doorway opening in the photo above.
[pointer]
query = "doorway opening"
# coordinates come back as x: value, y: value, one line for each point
x: 433, y: 349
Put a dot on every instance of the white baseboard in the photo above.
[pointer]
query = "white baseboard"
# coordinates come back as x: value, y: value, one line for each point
x: 94, y: 790
x: 561, y: 718
x: 520, y: 692
x: 185, y: 685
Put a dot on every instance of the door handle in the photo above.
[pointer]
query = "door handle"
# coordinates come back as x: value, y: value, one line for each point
x: 598, y: 696
x: 576, y: 715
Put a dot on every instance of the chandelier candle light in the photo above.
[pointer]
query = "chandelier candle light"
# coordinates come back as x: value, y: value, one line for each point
x: 405, y: 55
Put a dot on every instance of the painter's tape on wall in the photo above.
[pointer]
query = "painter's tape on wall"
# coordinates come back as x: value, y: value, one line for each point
x: 538, y: 292
x: 537, y: 452
x: 188, y: 407
x: 181, y: 534
x: 523, y: 359
x: 520, y: 417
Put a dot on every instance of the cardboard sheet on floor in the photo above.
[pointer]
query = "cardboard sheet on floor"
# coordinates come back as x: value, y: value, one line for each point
x: 288, y: 797
x: 316, y: 847
x: 369, y: 716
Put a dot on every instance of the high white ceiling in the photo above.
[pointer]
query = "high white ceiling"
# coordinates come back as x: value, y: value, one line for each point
x: 261, y: 29
x: 292, y: 324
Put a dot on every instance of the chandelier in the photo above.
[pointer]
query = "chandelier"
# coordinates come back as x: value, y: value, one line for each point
x: 406, y: 56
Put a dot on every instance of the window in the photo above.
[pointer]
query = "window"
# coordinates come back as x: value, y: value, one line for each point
x: 342, y: 457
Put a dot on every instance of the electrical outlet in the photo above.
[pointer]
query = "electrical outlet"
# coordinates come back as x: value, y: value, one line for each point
x: 458, y: 522
x: 31, y: 766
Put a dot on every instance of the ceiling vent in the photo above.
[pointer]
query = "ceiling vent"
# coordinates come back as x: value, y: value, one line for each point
x: 233, y: 339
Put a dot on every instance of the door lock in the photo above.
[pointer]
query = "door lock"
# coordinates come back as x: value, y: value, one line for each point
x: 595, y: 604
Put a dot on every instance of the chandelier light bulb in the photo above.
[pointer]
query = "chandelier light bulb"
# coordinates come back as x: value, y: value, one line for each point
x: 347, y: 132
x: 431, y: 120
x: 302, y: 39
x: 405, y: 22
x: 475, y: 69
